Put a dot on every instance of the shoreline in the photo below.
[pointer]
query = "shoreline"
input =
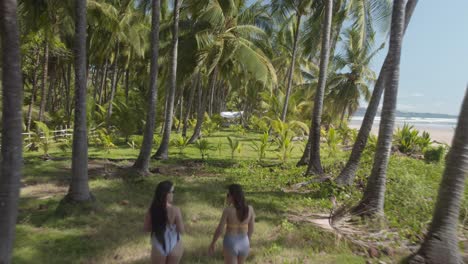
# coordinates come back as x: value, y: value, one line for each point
x: 439, y: 133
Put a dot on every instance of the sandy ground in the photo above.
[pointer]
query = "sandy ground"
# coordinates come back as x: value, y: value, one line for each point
x: 439, y: 133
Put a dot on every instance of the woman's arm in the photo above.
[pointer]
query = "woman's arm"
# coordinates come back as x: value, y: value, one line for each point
x: 218, y: 231
x: 178, y: 221
x: 251, y: 224
x: 147, y: 224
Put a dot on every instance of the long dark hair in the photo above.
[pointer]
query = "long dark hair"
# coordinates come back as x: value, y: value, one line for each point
x: 158, y: 211
x: 238, y: 199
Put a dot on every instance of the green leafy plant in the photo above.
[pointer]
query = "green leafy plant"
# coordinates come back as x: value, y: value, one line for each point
x: 203, y: 146
x: 180, y: 143
x: 43, y: 137
x: 285, y: 149
x: 105, y: 139
x: 332, y: 141
x: 406, y: 139
x: 347, y: 135
x: 261, y: 146
x: 434, y: 154
x: 424, y: 141
x: 235, y: 145
x: 64, y: 145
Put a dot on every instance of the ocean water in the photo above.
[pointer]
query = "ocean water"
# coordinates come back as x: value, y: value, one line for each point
x: 436, y: 123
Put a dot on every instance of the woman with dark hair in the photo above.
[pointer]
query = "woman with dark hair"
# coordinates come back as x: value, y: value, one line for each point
x: 164, y: 221
x: 239, y: 220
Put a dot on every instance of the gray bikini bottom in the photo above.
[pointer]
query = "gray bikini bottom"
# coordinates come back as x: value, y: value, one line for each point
x: 237, y: 244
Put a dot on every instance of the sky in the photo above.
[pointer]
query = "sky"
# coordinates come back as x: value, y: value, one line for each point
x: 434, y: 60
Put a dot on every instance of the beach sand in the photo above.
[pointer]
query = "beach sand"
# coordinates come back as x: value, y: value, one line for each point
x: 439, y: 133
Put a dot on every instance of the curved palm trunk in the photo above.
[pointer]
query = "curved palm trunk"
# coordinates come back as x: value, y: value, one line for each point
x: 190, y: 103
x: 79, y: 188
x: 12, y: 159
x: 291, y: 70
x: 372, y: 202
x: 114, y: 84
x: 315, y: 166
x: 44, y: 80
x: 33, y: 92
x: 142, y: 162
x: 441, y: 243
x: 163, y: 150
x: 202, y: 108
x: 348, y: 174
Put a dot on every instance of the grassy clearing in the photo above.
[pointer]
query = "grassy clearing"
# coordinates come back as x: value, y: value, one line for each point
x: 112, y: 231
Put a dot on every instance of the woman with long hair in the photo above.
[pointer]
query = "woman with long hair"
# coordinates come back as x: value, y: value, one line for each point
x: 164, y: 221
x: 239, y: 219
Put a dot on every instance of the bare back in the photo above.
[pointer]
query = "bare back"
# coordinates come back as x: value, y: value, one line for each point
x: 234, y: 225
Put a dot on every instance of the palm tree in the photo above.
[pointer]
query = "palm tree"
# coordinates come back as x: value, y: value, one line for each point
x: 346, y: 88
x: 12, y: 157
x: 300, y: 8
x: 441, y: 243
x: 162, y: 152
x: 79, y: 188
x: 227, y: 37
x: 315, y: 166
x: 347, y: 175
x: 372, y: 203
x: 142, y: 162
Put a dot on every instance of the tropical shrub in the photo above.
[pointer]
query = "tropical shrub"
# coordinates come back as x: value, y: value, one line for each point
x: 434, y: 154
x: 42, y: 137
x: 235, y: 145
x: 261, y: 147
x: 203, y: 146
x: 406, y: 139
x: 332, y: 141
x: 180, y: 143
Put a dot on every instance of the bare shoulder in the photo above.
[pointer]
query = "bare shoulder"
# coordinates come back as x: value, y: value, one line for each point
x: 251, y: 210
x: 175, y: 210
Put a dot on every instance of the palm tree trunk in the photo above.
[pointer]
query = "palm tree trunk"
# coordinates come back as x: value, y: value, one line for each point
x: 12, y: 158
x: 190, y: 103
x: 103, y: 84
x: 142, y: 162
x: 33, y: 92
x: 291, y: 69
x: 67, y: 82
x: 44, y: 80
x: 202, y: 107
x: 114, y: 84
x: 79, y: 188
x: 315, y: 166
x: 441, y: 243
x: 162, y: 152
x: 372, y: 203
x: 127, y: 76
x: 348, y: 173
x: 181, y: 113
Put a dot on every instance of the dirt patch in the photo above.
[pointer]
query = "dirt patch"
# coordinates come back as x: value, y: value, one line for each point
x: 43, y: 191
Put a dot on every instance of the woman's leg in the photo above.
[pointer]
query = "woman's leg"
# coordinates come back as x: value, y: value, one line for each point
x: 157, y: 257
x: 241, y: 259
x: 228, y: 257
x: 176, y: 254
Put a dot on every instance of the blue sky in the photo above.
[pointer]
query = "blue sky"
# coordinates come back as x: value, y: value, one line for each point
x: 434, y: 69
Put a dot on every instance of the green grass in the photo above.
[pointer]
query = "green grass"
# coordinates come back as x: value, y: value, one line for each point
x: 111, y: 231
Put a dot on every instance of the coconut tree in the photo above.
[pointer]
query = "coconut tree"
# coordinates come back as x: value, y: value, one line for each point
x: 347, y: 175
x: 12, y: 100
x: 347, y: 87
x: 142, y: 162
x: 298, y: 10
x: 441, y: 243
x: 372, y: 203
x: 315, y: 166
x: 227, y: 39
x: 162, y: 152
x: 79, y: 188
